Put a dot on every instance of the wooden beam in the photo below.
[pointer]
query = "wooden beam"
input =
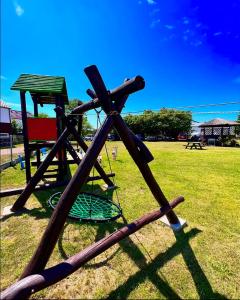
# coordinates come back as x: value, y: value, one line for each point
x: 128, y: 87
x: 34, y: 283
x: 25, y: 137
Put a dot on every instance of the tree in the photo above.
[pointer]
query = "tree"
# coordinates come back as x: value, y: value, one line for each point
x: 43, y: 115
x: 16, y: 127
x: 237, y: 130
x: 175, y: 121
x: 168, y: 122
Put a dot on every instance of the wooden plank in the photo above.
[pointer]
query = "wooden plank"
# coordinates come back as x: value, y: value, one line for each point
x: 34, y: 283
x: 17, y: 191
x: 54, y: 163
x: 34, y: 146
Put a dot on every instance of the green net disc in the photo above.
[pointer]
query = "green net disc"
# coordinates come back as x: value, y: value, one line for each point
x: 90, y: 207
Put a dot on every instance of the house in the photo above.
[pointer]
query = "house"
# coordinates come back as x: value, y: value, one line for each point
x: 17, y: 116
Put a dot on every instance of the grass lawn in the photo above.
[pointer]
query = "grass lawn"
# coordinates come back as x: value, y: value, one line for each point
x: 200, y: 262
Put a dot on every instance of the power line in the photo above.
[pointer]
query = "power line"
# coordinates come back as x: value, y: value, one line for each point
x: 211, y: 104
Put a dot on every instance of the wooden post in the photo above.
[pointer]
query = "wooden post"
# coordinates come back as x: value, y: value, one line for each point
x: 35, y: 104
x: 25, y: 137
x: 60, y: 154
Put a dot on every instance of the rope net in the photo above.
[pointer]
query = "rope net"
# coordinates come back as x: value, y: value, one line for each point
x: 90, y: 207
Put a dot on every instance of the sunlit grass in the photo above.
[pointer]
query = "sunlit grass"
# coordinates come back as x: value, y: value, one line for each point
x: 203, y: 262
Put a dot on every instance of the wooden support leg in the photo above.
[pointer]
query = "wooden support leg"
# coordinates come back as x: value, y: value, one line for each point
x: 59, y: 216
x: 143, y: 167
x: 19, y: 204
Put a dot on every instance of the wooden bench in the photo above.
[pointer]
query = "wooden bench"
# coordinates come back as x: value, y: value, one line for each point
x: 194, y: 145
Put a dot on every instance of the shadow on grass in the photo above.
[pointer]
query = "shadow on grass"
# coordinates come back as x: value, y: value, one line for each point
x: 146, y: 270
x: 150, y: 270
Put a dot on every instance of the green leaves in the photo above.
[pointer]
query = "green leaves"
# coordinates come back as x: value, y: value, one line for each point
x: 167, y: 122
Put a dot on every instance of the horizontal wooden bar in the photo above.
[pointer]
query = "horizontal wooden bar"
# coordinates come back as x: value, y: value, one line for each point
x: 128, y: 87
x: 54, y: 162
x: 93, y: 178
x: 17, y: 191
x: 51, y: 171
x: 50, y: 175
x: 36, y: 282
x: 34, y: 146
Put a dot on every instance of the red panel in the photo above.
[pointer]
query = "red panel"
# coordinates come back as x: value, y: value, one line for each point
x: 42, y: 129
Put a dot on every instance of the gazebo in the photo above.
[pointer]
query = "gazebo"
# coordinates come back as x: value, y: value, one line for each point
x: 217, y: 128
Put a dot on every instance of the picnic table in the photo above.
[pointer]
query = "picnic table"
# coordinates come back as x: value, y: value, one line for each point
x: 195, y: 145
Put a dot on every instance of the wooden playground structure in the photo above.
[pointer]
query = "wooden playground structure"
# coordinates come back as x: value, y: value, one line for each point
x: 35, y: 277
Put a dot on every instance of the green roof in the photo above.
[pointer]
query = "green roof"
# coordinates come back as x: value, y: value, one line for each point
x: 43, y: 86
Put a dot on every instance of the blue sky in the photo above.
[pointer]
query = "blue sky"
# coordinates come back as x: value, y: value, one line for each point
x: 187, y: 51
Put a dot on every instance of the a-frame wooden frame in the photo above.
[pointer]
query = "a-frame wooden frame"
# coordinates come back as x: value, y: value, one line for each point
x: 112, y: 104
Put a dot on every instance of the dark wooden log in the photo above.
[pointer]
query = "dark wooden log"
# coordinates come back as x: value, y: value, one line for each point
x: 34, y: 146
x: 34, y: 283
x: 59, y: 216
x: 51, y: 171
x: 45, y: 176
x: 35, y: 104
x: 91, y: 93
x: 56, y: 162
x: 12, y: 192
x: 93, y: 178
x: 72, y: 152
x: 20, y: 202
x: 61, y: 153
x: 99, y: 87
x: 133, y: 150
x: 128, y: 87
x: 25, y: 137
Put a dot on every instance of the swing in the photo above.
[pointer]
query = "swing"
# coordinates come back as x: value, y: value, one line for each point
x: 90, y: 207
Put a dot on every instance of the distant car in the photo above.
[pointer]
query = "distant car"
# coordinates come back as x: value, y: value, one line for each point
x: 88, y: 138
x: 182, y: 136
x: 111, y: 137
x: 151, y: 138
